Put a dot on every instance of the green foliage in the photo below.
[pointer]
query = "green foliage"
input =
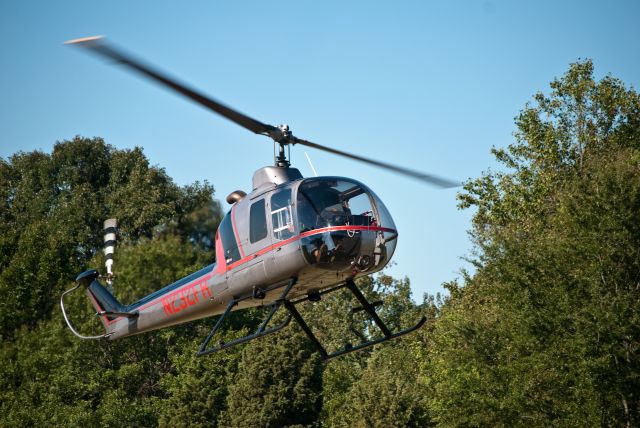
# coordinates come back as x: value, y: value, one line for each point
x: 52, y: 210
x: 581, y: 118
x: 196, y: 388
x: 277, y: 383
x: 52, y: 215
x: 138, y: 381
x: 387, y: 393
x: 545, y: 332
x: 381, y: 386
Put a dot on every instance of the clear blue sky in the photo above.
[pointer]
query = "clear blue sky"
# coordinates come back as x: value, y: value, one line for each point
x: 430, y: 85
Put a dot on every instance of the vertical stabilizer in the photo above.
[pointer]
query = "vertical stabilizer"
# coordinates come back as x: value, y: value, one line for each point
x: 103, y: 301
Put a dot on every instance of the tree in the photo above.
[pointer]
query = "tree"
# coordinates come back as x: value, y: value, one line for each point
x: 277, y: 384
x: 388, y: 392
x: 379, y: 386
x: 384, y: 388
x: 73, y: 382
x: 52, y: 210
x: 545, y: 331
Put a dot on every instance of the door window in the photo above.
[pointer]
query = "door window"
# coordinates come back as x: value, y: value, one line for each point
x: 257, y: 222
x: 229, y: 244
x: 281, y: 218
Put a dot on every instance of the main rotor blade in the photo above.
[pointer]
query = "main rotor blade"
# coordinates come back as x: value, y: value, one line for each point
x: 98, y: 45
x: 434, y: 180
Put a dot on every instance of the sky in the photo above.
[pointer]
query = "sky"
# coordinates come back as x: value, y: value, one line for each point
x: 430, y: 85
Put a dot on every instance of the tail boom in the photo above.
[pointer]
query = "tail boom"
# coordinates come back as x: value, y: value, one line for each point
x: 186, y: 299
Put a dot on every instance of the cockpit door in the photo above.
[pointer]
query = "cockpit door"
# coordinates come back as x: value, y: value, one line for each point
x: 283, y: 232
x: 282, y: 215
x: 252, y: 234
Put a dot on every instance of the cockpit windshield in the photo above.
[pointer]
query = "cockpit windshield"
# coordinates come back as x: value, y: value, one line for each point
x: 326, y: 202
x: 343, y: 225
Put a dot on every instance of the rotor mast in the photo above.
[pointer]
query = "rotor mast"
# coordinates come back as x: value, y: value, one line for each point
x: 281, y: 160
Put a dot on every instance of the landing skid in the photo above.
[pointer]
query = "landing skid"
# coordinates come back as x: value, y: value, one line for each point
x: 290, y: 306
x: 262, y: 330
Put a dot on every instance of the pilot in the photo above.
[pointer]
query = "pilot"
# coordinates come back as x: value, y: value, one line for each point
x: 309, y: 219
x: 345, y: 208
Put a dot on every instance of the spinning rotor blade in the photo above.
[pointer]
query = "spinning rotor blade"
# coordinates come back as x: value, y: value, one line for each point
x: 98, y: 45
x: 281, y: 135
x: 428, y: 178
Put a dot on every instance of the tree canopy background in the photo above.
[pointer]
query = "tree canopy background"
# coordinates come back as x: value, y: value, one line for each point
x: 544, y: 332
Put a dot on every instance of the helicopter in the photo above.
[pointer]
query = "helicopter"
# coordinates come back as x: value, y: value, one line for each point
x: 290, y: 240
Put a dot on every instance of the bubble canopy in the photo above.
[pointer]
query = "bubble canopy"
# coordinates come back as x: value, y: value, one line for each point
x: 346, y: 207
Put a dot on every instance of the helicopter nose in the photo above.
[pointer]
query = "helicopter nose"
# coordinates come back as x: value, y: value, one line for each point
x: 340, y: 250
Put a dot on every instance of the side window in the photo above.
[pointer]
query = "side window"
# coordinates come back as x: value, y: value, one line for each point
x: 258, y: 222
x: 281, y: 218
x: 229, y: 244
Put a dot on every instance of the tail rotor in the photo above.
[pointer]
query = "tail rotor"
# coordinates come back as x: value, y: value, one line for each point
x: 110, y: 232
x: 106, y: 305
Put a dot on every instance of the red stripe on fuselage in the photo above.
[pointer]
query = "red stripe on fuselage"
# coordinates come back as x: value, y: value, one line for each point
x: 303, y: 235
x: 260, y: 253
x: 203, y: 288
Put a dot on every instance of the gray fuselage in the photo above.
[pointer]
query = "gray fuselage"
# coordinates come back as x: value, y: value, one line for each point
x: 321, y: 230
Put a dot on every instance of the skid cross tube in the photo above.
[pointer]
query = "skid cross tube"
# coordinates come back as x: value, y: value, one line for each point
x: 370, y: 308
x: 262, y: 330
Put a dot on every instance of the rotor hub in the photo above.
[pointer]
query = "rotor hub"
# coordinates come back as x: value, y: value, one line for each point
x: 283, y: 137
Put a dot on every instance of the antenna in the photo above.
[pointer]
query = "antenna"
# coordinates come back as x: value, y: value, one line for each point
x: 110, y: 230
x: 309, y: 160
